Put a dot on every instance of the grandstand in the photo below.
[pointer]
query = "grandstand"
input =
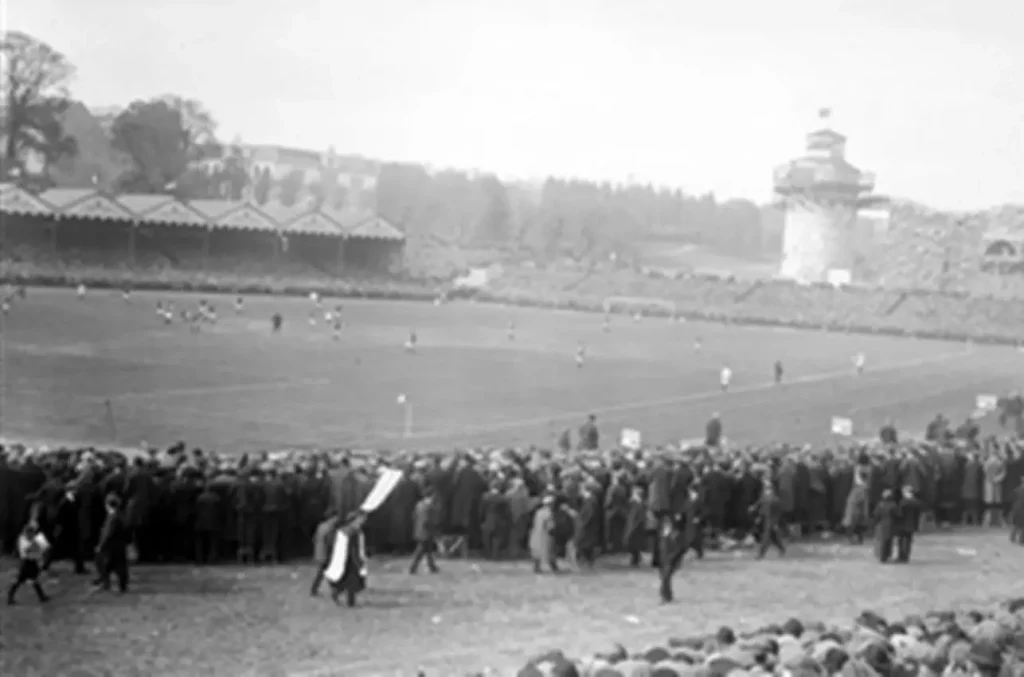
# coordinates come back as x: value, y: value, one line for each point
x: 70, y: 235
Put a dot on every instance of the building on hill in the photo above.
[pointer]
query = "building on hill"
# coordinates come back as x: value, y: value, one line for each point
x: 822, y: 193
x: 837, y: 230
x: 292, y: 175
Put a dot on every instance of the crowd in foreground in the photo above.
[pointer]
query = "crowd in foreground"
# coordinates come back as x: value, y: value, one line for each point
x: 191, y: 505
x: 953, y: 643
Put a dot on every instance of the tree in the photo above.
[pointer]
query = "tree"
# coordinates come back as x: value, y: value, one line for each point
x: 234, y: 175
x: 163, y: 137
x: 261, y: 186
x: 290, y: 186
x: 35, y: 95
x: 494, y: 225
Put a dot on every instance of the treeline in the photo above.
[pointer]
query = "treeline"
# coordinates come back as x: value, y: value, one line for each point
x: 169, y: 144
x: 568, y: 217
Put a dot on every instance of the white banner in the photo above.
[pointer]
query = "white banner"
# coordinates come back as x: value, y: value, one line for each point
x: 842, y: 426
x: 339, y: 557
x: 630, y: 439
x: 986, y: 403
x: 386, y: 483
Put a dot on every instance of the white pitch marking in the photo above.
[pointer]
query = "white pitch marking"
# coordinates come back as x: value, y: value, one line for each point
x: 692, y: 398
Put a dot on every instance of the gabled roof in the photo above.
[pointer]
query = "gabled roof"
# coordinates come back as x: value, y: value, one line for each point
x: 246, y: 217
x: 15, y: 200
x: 140, y: 204
x: 165, y: 209
x: 346, y: 218
x: 175, y: 212
x: 314, y: 223
x: 97, y: 206
x: 283, y: 214
x: 62, y: 197
x: 213, y: 209
x: 376, y: 228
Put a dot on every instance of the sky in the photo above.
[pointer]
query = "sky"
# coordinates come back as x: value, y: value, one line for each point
x: 704, y: 96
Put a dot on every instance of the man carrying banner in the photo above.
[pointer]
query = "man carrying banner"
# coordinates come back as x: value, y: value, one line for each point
x: 346, y: 567
x: 350, y: 551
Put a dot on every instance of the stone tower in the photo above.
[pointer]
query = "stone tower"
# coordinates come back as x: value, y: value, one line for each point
x: 821, y: 193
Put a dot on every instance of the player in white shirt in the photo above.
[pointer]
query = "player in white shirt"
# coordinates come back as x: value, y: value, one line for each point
x: 312, y: 318
x: 32, y: 549
x: 410, y: 343
x: 5, y: 307
x: 581, y: 354
x: 81, y: 291
x: 314, y: 297
x: 725, y: 378
x: 164, y: 313
x: 698, y: 343
x: 859, y: 361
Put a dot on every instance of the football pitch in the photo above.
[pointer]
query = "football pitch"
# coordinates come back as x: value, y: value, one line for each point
x: 236, y: 386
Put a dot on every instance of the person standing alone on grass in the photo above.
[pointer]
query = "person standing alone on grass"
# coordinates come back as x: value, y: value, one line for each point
x: 713, y: 431
x: 589, y: 437
x: 886, y: 519
x: 725, y: 378
x: 32, y: 548
x: 112, y: 549
x: 906, y: 524
x: 769, y: 510
x: 778, y: 372
x: 543, y: 548
x: 425, y: 532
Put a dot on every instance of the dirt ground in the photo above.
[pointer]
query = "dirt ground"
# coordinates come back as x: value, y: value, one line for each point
x: 229, y: 621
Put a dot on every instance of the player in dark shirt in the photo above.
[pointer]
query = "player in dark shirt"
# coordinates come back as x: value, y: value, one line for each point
x: 778, y: 372
x: 275, y: 322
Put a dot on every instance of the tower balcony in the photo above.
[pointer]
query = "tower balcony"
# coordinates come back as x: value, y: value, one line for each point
x: 826, y: 177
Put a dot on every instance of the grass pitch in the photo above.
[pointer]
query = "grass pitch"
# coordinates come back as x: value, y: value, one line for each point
x: 236, y: 386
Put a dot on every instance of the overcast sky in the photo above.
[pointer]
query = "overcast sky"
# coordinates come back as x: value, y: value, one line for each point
x: 700, y: 95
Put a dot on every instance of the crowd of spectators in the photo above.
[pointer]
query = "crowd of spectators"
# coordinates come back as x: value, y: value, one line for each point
x: 193, y: 506
x: 269, y: 505
x: 979, y: 643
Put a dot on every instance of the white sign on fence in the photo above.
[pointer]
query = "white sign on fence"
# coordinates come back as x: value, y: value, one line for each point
x: 842, y: 426
x: 630, y: 439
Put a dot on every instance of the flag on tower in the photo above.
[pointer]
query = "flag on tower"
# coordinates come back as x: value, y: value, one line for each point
x: 824, y: 113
